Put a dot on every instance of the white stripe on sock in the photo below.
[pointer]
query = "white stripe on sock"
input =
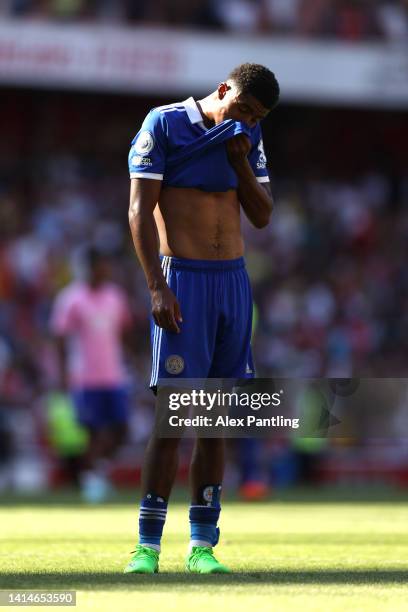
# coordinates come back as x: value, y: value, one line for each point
x: 199, y: 506
x: 154, y: 546
x: 153, y: 509
x: 199, y: 543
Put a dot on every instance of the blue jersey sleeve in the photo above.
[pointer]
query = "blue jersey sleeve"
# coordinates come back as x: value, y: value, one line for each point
x: 257, y: 157
x: 147, y: 156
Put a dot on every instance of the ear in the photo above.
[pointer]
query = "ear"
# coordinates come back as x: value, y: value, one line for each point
x: 222, y: 90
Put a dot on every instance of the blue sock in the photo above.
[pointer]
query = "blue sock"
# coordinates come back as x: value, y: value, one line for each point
x: 204, y: 517
x: 153, y: 510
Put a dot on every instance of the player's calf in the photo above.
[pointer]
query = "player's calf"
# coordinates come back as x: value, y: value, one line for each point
x: 205, y: 533
x: 153, y: 512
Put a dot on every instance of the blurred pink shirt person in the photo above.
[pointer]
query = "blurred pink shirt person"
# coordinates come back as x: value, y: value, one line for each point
x: 93, y: 320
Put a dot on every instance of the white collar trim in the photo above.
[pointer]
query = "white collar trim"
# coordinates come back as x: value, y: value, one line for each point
x: 192, y: 110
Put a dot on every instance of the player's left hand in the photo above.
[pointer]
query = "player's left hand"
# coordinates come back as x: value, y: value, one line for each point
x: 238, y: 148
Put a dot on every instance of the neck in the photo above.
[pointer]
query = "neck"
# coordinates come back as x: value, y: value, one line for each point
x: 210, y: 110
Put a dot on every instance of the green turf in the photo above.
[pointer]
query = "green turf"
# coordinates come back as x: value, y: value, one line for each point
x: 287, y: 555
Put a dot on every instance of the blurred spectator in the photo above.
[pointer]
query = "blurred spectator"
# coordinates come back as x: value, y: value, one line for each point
x: 354, y: 20
x: 91, y: 320
x: 282, y: 15
x: 393, y: 19
x: 239, y: 15
x: 349, y: 20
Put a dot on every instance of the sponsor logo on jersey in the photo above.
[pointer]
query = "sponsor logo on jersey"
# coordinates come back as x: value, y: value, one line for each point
x: 139, y: 160
x: 174, y: 364
x: 144, y: 143
x: 261, y: 163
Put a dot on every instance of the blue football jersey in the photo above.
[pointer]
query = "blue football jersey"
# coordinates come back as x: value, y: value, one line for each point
x: 174, y: 146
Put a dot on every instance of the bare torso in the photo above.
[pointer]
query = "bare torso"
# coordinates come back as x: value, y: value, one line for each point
x: 196, y: 224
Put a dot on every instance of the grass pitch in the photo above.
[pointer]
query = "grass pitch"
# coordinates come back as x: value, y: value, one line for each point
x: 302, y: 552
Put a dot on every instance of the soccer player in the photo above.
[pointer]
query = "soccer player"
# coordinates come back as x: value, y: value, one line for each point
x: 193, y: 165
x: 89, y: 320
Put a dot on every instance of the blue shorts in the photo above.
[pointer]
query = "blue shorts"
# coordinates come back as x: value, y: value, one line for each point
x: 99, y: 408
x: 216, y: 305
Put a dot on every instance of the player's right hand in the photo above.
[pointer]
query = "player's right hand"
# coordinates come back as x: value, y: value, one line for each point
x: 166, y: 309
x: 238, y: 148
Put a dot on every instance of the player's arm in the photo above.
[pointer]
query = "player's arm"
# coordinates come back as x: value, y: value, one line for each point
x: 255, y: 197
x: 147, y: 163
x: 144, y: 195
x: 63, y: 322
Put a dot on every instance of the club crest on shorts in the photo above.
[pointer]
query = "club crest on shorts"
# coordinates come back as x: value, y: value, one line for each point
x: 208, y: 494
x: 144, y: 143
x: 174, y: 364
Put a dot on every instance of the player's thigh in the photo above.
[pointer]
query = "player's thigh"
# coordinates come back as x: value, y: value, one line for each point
x: 189, y: 353
x: 233, y: 355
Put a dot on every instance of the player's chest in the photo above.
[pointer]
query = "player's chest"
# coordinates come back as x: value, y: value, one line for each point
x: 98, y: 314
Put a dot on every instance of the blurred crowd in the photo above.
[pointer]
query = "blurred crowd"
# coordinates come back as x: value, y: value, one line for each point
x: 329, y: 274
x: 350, y: 20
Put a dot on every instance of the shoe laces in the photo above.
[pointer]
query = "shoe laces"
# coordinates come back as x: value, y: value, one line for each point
x: 145, y: 552
x: 200, y: 552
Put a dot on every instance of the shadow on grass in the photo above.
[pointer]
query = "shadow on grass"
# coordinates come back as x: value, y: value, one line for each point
x: 118, y: 581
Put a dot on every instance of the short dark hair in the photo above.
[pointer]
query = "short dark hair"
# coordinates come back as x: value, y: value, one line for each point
x: 258, y: 81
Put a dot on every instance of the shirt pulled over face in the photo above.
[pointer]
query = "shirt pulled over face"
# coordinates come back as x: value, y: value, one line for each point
x: 174, y: 146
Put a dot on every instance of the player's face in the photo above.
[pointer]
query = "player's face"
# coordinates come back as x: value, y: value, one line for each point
x: 242, y: 107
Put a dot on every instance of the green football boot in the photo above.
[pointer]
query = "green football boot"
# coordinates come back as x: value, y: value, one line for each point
x: 201, y: 560
x: 145, y: 560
